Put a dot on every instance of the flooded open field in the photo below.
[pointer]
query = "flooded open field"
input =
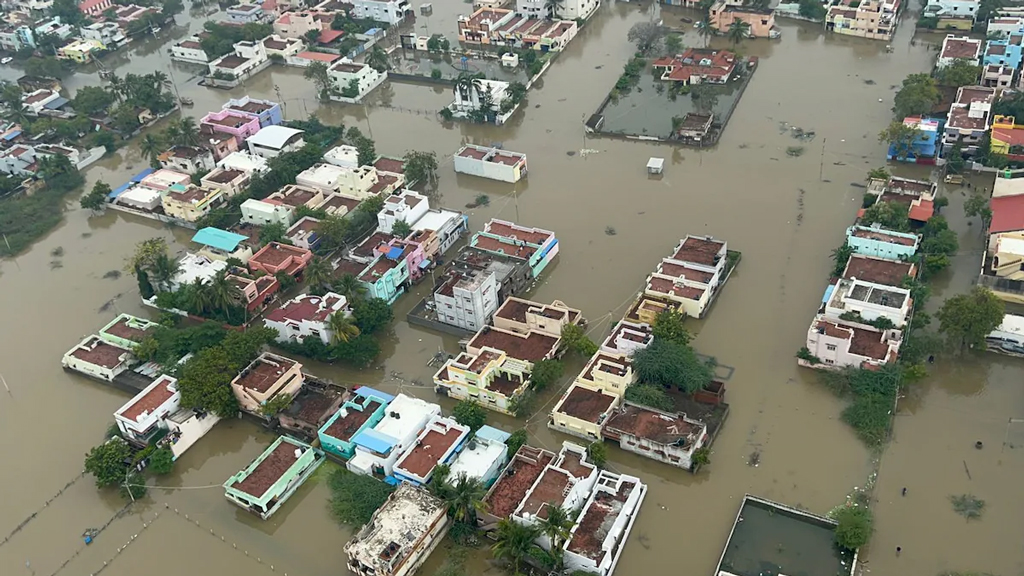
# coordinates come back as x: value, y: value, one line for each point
x: 785, y: 214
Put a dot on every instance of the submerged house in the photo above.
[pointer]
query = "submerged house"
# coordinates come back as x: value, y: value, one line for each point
x: 661, y: 436
x: 483, y: 457
x: 364, y: 410
x: 265, y: 484
x: 155, y: 415
x: 438, y: 443
x: 379, y: 447
x: 599, y: 536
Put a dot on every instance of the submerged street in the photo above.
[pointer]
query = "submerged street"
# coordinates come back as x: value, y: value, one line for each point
x: 784, y: 213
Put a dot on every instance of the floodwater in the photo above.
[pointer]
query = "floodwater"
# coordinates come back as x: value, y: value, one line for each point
x: 784, y: 213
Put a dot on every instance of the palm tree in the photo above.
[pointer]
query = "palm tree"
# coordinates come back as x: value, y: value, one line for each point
x: 116, y: 87
x: 378, y: 59
x: 466, y: 84
x: 223, y: 293
x: 705, y: 31
x: 341, y: 327
x: 514, y: 542
x: 188, y: 132
x: 556, y: 527
x: 160, y: 78
x: 350, y: 287
x: 163, y: 270
x: 172, y: 135
x: 151, y: 146
x: 465, y: 497
x: 553, y: 7
x: 18, y: 113
x: 318, y: 273
x: 738, y: 31
x: 197, y: 298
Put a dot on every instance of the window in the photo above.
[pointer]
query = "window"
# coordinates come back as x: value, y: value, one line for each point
x: 830, y: 347
x: 827, y: 361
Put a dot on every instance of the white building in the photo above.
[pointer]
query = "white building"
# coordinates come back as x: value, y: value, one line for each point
x: 958, y: 48
x: 401, y: 534
x: 1004, y: 26
x: 244, y: 162
x: 189, y: 50
x: 406, y: 206
x: 566, y: 482
x: 568, y: 10
x: 193, y: 266
x: 352, y: 182
x: 275, y: 140
x: 35, y: 102
x: 306, y: 316
x: 245, y: 59
x: 599, y: 536
x: 263, y: 212
x: 483, y: 457
x: 467, y: 298
x: 871, y: 301
x: 448, y: 225
x: 245, y: 13
x: 187, y: 159
x: 378, y: 448
x: 108, y: 34
x: 492, y: 163
x: 840, y: 343
x: 304, y: 233
x: 343, y: 156
x: 1008, y: 337
x: 354, y: 80
x: 951, y: 8
x: 141, y: 198
x: 157, y: 408
x: 392, y: 11
x: 97, y: 358
x: 438, y: 443
x: 468, y: 100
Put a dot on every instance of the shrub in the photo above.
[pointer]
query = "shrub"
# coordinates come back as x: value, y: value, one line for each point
x: 855, y: 526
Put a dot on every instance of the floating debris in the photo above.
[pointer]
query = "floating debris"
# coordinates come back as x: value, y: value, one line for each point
x: 480, y: 200
x: 869, y: 82
x: 570, y: 153
x: 795, y: 151
x: 57, y: 252
x: 609, y: 231
x: 754, y: 459
x: 112, y: 275
x: 968, y: 505
x: 56, y: 264
x: 858, y: 185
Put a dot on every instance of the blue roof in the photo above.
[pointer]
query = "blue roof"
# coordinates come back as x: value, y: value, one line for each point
x: 424, y: 264
x: 219, y: 239
x: 55, y: 104
x: 119, y: 190
x: 489, y: 433
x: 372, y: 440
x: 828, y: 293
x: 13, y: 135
x: 138, y: 177
x: 395, y: 252
x: 367, y: 391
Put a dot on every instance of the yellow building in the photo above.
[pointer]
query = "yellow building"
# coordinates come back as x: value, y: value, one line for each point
x: 1006, y: 134
x: 582, y: 411
x: 489, y: 378
x: 80, y: 51
x: 189, y: 203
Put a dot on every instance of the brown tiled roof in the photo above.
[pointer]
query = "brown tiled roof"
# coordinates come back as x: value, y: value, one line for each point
x: 533, y: 347
x: 698, y: 250
x: 877, y: 270
x: 645, y: 423
x: 512, y: 486
x: 429, y: 450
x: 269, y: 470
x: 868, y: 343
x: 346, y: 426
x: 586, y: 404
x: 262, y: 374
x: 151, y: 401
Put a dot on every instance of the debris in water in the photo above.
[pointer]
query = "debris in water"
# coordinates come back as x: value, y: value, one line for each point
x: 828, y: 181
x: 744, y: 146
x: 609, y: 231
x: 857, y: 185
x: 801, y: 134
x: 869, y: 82
x: 480, y: 200
x: 795, y: 151
x: 86, y: 234
x: 754, y: 459
x: 56, y: 264
x: 570, y: 153
x: 57, y: 252
x: 599, y: 66
x: 968, y: 505
x: 112, y: 275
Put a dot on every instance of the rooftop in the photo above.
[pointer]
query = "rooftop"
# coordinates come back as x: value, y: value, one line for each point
x: 396, y: 527
x: 270, y: 470
x: 98, y: 353
x: 674, y: 287
x: 405, y: 416
x: 510, y: 489
x: 1007, y: 214
x: 230, y: 61
x: 532, y: 347
x: 877, y: 270
x: 586, y: 404
x: 869, y: 343
x: 658, y: 427
x: 129, y: 328
x: 957, y: 48
x: 393, y: 165
x: 480, y: 453
x: 882, y: 235
x: 275, y: 137
x: 145, y: 402
x: 877, y: 294
x: 439, y: 438
x: 219, y: 239
x: 699, y: 250
x: 352, y: 419
x: 534, y: 236
x: 308, y: 308
x: 275, y: 254
x: 264, y: 372
x: 597, y: 521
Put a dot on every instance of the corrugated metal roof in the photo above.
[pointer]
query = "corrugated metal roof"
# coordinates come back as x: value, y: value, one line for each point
x: 119, y: 190
x: 219, y: 239
x: 138, y: 177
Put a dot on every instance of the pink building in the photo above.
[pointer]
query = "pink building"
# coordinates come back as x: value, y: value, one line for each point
x: 220, y: 144
x: 415, y: 256
x: 276, y: 257
x: 256, y: 292
x: 238, y: 125
x: 94, y: 7
x: 839, y: 343
x: 761, y: 20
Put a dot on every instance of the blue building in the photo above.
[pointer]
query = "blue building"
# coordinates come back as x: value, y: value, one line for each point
x: 1005, y: 52
x: 269, y: 113
x: 925, y: 149
x: 360, y: 413
x: 877, y: 241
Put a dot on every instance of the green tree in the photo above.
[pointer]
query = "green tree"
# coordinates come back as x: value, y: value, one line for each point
x: 68, y: 12
x: 854, y: 526
x: 812, y: 9
x: 545, y: 372
x: 977, y: 205
x: 576, y: 340
x: 108, y: 462
x: 878, y: 174
x: 185, y: 132
x: 272, y: 232
x: 224, y: 294
x: 354, y: 497
x: 900, y: 135
x: 161, y: 462
x: 372, y: 314
x: 556, y: 526
x: 516, y: 441
x: 341, y: 327
x: 465, y: 497
x: 318, y: 273
x: 317, y: 72
x: 938, y: 244
x: 360, y: 351
x: 275, y: 405
x: 516, y: 91
x: 890, y: 215
x: 332, y: 231
x: 646, y: 36
x: 366, y: 151
x: 666, y: 363
x: 401, y: 229
x: 96, y: 199
x: 917, y: 96
x: 350, y: 287
x: 651, y: 396
x: 673, y: 44
x: 705, y: 31
x: 514, y: 542
x: 669, y: 325
x: 91, y: 100
x: 966, y: 319
x: 151, y: 146
x: 421, y: 167
x: 47, y: 67
x: 960, y: 73
x: 597, y: 453
x: 470, y: 414
x: 205, y: 382
x: 841, y: 256
x: 437, y: 43
x: 955, y: 159
x: 378, y: 59
x: 739, y: 30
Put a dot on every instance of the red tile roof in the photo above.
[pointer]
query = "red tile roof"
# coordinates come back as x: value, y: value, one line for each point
x: 328, y: 36
x: 151, y: 401
x: 318, y: 56
x: 1007, y: 214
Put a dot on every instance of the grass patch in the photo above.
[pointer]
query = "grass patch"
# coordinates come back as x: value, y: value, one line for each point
x: 968, y: 505
x: 873, y: 394
x: 795, y: 151
x: 354, y: 497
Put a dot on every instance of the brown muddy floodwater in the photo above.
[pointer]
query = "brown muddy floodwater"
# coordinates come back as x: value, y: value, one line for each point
x: 784, y: 213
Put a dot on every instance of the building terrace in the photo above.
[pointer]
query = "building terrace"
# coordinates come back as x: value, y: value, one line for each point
x: 600, y: 533
x: 512, y: 486
x: 532, y: 347
x: 878, y: 270
x: 266, y: 483
x: 437, y: 444
x: 587, y: 404
x: 400, y: 535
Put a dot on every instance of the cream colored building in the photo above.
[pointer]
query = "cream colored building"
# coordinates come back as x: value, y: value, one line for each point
x: 189, y: 203
x: 582, y: 411
x: 489, y: 378
x: 268, y: 376
x: 521, y: 316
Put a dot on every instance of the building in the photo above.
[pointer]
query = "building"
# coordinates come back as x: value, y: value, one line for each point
x: 190, y: 50
x: 221, y: 245
x: 1008, y: 337
x: 343, y: 156
x: 867, y: 301
x: 406, y: 206
x: 275, y: 140
x: 263, y: 212
x: 599, y: 536
x: 566, y: 482
x: 538, y: 247
x: 256, y: 291
x: 305, y: 59
x: 1005, y: 52
x: 996, y: 76
x: 467, y: 101
x: 661, y: 436
x: 38, y: 101
x: 304, y: 233
x: 354, y: 80
x: 192, y: 267
x: 925, y: 148
x: 278, y: 47
x: 446, y: 227
x: 438, y: 443
x: 582, y: 411
x: 108, y: 34
x: 917, y: 195
x: 266, y: 377
x: 692, y: 276
x: 841, y: 343
x: 276, y: 257
x: 307, y: 316
x: 390, y: 11
x: 968, y: 119
x: 155, y: 414
x: 267, y: 483
x: 229, y: 181
x: 94, y: 7
x: 1007, y: 138
x: 364, y: 410
x: 876, y: 241
x: 525, y: 316
x: 268, y: 113
x: 220, y: 144
x: 187, y: 159
x: 355, y: 183
x: 245, y: 13
x: 531, y: 347
x: 490, y: 163
x: 490, y: 378
x: 879, y: 270
x: 569, y: 10
x: 697, y: 66
x: 466, y: 298
x: 295, y: 196
x: 80, y: 51
x: 951, y: 9
x: 401, y: 534
x: 97, y: 358
x: 872, y: 19
x: 482, y: 26
x: 1004, y: 257
x: 387, y: 276
x: 310, y: 409
x: 239, y: 126
x: 761, y: 20
x: 126, y: 331
x: 379, y: 447
x: 958, y: 48
x: 512, y: 485
x: 299, y: 23
x: 483, y: 456
x: 247, y: 59
x: 189, y: 203
x: 1002, y: 26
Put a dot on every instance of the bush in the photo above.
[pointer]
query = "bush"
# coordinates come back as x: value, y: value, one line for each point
x: 855, y: 526
x: 470, y: 414
x: 354, y: 497
x: 597, y: 453
x: 516, y: 441
x: 650, y: 396
x: 435, y: 73
x: 161, y: 461
x: 545, y: 372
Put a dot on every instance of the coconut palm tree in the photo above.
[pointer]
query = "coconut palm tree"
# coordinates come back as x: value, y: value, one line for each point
x: 197, y: 297
x: 738, y: 31
x: 341, y: 327
x: 465, y: 497
x: 705, y: 31
x: 151, y: 146
x: 514, y: 542
x: 350, y: 287
x: 553, y: 7
x: 116, y: 87
x: 160, y: 78
x: 224, y: 294
x: 318, y: 273
x: 163, y: 270
x: 378, y: 59
x: 466, y: 84
x: 556, y: 527
x: 188, y: 132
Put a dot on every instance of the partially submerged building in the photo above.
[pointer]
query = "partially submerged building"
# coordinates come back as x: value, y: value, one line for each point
x: 876, y: 241
x: 492, y: 163
x: 599, y: 536
x: 438, y: 443
x: 307, y: 316
x: 266, y: 378
x: 1008, y: 337
x: 692, y: 276
x: 512, y: 485
x: 490, y: 378
x: 267, y: 483
x: 539, y: 247
x: 97, y: 358
x: 310, y: 409
x: 669, y: 438
x: 364, y: 410
x: 483, y: 457
x: 582, y: 411
x: 401, y: 534
x: 126, y: 331
x: 836, y: 343
x: 867, y: 300
x: 155, y: 415
x: 379, y: 447
x: 566, y: 482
